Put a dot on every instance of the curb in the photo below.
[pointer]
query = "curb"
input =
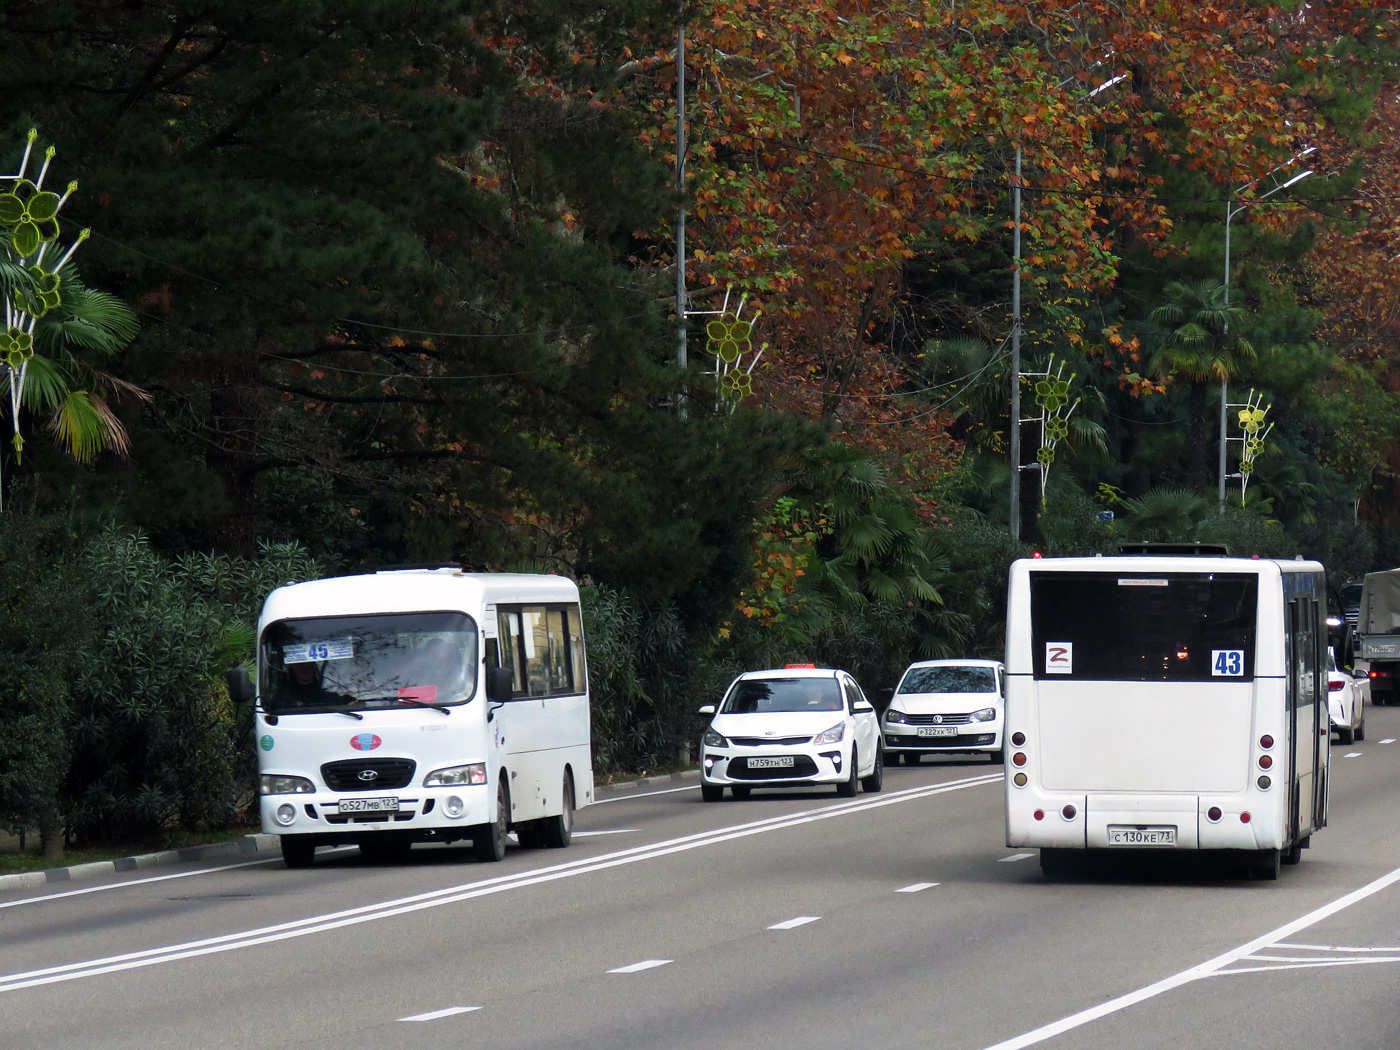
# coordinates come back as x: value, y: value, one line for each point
x: 248, y: 844
x: 260, y: 843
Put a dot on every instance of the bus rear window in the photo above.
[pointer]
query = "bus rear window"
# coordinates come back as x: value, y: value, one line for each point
x: 1143, y: 627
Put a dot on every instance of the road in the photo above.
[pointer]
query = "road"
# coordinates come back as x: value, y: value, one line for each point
x: 787, y: 920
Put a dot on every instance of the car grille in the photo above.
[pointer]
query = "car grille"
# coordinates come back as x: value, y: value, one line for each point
x: 802, y: 767
x: 937, y: 720
x: 952, y: 742
x: 391, y: 773
x: 764, y: 741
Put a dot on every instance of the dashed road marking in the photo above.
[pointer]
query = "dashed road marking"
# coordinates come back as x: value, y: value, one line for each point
x: 637, y: 967
x: 1015, y: 857
x: 916, y: 887
x: 449, y: 1011
x: 792, y: 924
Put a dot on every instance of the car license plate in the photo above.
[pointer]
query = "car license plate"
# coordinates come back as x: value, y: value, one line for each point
x: 781, y: 762
x: 369, y: 805
x: 938, y: 730
x: 1119, y: 835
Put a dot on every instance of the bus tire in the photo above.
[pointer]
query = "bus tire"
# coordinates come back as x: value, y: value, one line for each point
x: 1293, y: 854
x: 1265, y: 864
x: 712, y: 792
x: 489, y: 840
x: 1054, y: 862
x: 298, y: 851
x: 558, y: 832
x: 848, y: 787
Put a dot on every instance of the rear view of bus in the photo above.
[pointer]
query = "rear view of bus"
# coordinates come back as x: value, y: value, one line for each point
x: 1166, y: 702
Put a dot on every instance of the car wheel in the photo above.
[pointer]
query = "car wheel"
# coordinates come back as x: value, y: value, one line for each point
x: 558, y: 832
x: 1361, y: 729
x: 876, y: 779
x: 848, y: 787
x: 712, y: 792
x: 298, y: 851
x: 489, y: 840
x: 1345, y: 735
x: 998, y: 756
x: 739, y: 791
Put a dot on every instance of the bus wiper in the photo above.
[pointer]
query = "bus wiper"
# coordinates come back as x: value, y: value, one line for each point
x: 423, y: 703
x: 351, y: 714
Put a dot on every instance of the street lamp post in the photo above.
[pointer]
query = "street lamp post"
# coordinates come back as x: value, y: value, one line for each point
x: 1231, y: 210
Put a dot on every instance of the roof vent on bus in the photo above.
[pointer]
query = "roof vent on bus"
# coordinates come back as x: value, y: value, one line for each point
x: 1189, y: 549
x: 420, y: 566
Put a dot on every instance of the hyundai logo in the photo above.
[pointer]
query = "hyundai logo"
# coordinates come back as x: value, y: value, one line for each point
x: 368, y: 775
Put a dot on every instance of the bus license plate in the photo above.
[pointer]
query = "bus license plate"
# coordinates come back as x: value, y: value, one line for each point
x: 781, y: 762
x: 1145, y: 836
x: 369, y: 805
x: 938, y: 730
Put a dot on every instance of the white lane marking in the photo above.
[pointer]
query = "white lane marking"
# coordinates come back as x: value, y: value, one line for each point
x: 1330, y: 948
x: 637, y: 967
x: 1352, y: 754
x: 472, y: 890
x: 1015, y: 857
x: 595, y: 834
x: 916, y: 887
x: 450, y: 1011
x: 1210, y: 968
x: 1388, y: 740
x: 792, y: 924
x: 642, y: 794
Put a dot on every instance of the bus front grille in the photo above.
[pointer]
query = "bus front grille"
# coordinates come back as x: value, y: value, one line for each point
x: 368, y: 774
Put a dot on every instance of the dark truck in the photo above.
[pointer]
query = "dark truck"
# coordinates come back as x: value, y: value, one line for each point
x: 1377, y: 638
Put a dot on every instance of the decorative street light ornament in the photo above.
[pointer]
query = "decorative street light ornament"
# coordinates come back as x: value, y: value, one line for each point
x: 1052, y: 398
x: 29, y: 233
x: 1253, y: 418
x: 731, y: 341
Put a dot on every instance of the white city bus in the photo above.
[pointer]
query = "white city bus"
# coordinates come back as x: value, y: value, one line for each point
x: 421, y: 705
x: 1166, y: 702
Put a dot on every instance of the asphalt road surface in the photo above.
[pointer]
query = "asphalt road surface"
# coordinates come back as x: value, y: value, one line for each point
x: 786, y: 920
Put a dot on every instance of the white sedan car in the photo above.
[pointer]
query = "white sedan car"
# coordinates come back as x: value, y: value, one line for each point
x: 797, y: 726
x: 945, y: 707
x: 1346, y: 701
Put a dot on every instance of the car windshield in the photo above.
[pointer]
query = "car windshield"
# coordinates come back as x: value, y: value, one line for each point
x: 754, y: 696
x: 949, y: 679
x: 361, y: 662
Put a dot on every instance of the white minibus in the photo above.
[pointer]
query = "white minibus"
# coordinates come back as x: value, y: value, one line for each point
x: 1171, y: 702
x: 420, y: 705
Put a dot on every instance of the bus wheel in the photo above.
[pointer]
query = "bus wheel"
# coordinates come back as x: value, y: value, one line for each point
x: 558, y: 832
x: 489, y: 840
x: 1294, y: 853
x: 1265, y: 864
x: 298, y: 851
x: 1054, y: 863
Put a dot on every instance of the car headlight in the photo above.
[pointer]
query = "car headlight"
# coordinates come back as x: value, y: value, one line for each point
x: 455, y: 776
x: 984, y: 715
x: 713, y: 739
x: 274, y: 784
x: 834, y: 735
x: 896, y: 717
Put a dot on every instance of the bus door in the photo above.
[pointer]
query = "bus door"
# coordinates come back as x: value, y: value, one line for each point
x: 1301, y: 651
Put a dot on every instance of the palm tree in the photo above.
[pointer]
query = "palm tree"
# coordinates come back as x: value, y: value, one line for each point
x: 1196, y: 346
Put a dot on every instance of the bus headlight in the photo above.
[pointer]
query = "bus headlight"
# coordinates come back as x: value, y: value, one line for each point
x: 984, y: 715
x: 276, y: 784
x: 454, y: 776
x: 453, y: 806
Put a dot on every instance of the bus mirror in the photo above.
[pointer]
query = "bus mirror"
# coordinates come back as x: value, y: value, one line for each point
x: 240, y: 688
x: 500, y: 684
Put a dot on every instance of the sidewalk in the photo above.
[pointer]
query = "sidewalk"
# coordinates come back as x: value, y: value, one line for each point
x: 251, y: 845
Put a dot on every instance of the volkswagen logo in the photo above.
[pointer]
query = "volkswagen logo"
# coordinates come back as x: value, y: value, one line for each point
x: 937, y: 720
x: 368, y: 775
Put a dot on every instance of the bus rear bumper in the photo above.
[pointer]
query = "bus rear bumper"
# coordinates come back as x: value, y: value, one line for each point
x: 1183, y: 822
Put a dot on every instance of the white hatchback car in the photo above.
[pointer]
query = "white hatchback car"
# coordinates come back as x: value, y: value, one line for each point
x: 946, y: 707
x: 1346, y: 701
x: 792, y: 727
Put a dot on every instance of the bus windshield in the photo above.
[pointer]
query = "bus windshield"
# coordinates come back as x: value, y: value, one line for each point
x: 363, y: 662
x: 1143, y: 627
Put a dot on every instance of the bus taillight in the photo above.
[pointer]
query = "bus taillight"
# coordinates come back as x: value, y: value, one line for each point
x: 1213, y: 813
x: 1244, y: 817
x: 1018, y: 738
x: 1040, y: 814
x: 1266, y: 741
x: 1265, y: 761
x: 1068, y: 812
x: 1018, y: 759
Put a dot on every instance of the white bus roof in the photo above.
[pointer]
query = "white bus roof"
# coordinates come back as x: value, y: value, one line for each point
x: 1170, y: 563
x: 412, y: 590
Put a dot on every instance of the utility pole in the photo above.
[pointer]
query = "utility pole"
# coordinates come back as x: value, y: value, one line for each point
x: 1015, y: 450
x: 680, y: 191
